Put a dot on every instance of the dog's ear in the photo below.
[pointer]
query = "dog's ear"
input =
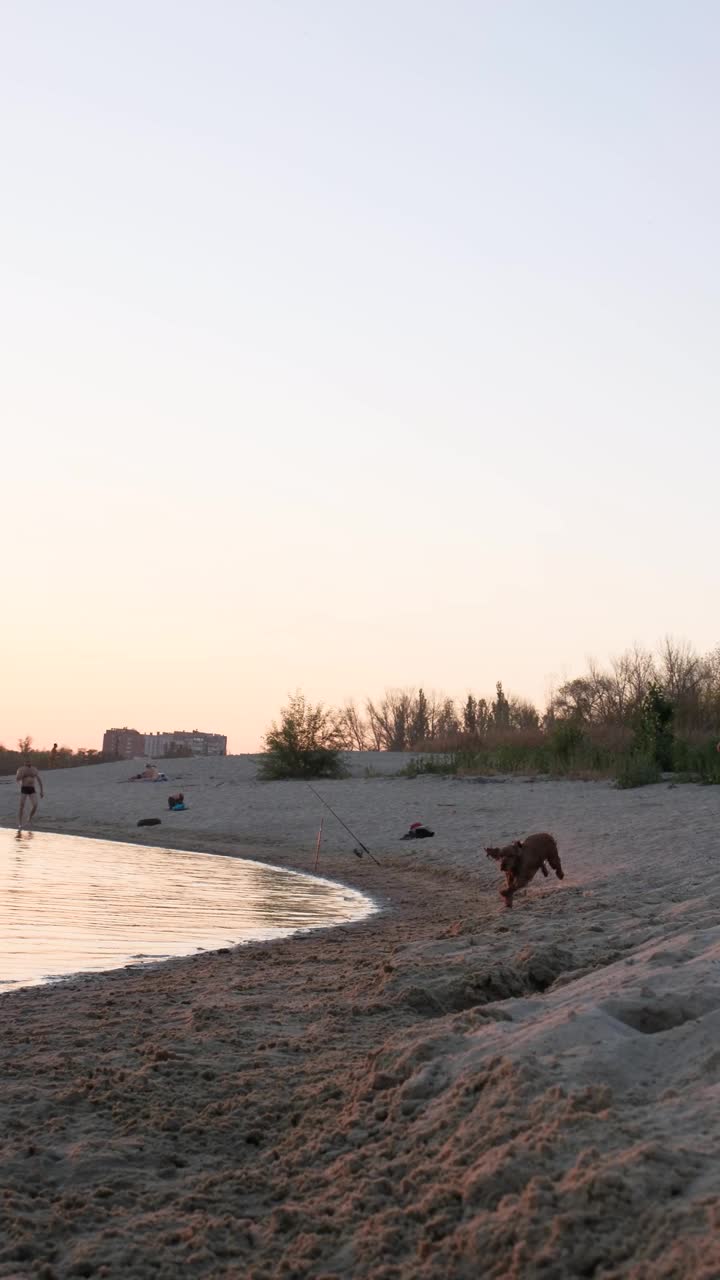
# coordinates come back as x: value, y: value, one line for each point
x: 519, y: 844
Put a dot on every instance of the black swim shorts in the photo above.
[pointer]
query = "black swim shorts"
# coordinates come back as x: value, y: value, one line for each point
x: 28, y: 791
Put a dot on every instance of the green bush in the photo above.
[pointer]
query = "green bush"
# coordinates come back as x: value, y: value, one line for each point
x: 697, y: 762
x: 567, y: 753
x: 566, y: 740
x: 305, y: 744
x: 654, y: 736
x: 441, y: 764
x: 637, y: 771
x: 286, y: 762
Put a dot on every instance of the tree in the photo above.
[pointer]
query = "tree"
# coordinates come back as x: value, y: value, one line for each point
x: 631, y: 675
x: 448, y: 725
x: 305, y: 744
x: 24, y: 746
x: 523, y: 715
x: 710, y: 690
x: 605, y: 697
x: 484, y: 715
x: 654, y: 734
x: 420, y: 721
x: 352, y: 728
x: 575, y: 700
x: 391, y: 718
x: 500, y: 709
x: 680, y: 673
x: 469, y: 715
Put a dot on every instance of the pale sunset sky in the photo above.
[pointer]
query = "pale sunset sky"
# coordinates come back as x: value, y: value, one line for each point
x: 350, y: 344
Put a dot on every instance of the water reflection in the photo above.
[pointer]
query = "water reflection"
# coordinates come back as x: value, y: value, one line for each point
x: 70, y: 905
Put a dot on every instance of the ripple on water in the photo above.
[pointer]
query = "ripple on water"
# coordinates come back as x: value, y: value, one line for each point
x: 69, y: 905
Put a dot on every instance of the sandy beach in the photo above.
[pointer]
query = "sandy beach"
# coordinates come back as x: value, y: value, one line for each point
x: 447, y: 1089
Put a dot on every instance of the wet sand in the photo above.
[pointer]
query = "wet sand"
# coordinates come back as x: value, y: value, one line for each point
x: 446, y: 1089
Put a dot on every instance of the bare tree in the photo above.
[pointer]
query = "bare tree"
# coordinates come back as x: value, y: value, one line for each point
x: 680, y: 671
x: 632, y: 675
x: 390, y: 719
x: 353, y: 729
x: 710, y: 689
x: 375, y: 728
x: 575, y: 700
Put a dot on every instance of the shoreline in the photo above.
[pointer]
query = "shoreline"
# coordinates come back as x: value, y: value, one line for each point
x: 443, y: 1086
x: 374, y: 906
x: 79, y: 1081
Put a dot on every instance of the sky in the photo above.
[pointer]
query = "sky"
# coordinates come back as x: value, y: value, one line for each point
x: 350, y: 346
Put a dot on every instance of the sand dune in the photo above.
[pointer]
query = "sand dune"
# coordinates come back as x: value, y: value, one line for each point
x: 447, y: 1089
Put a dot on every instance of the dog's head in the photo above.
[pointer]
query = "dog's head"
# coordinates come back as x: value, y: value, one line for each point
x: 508, y: 851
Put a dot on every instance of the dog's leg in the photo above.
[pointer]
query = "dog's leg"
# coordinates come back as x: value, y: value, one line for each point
x: 555, y: 863
x: 512, y: 885
x: 544, y: 869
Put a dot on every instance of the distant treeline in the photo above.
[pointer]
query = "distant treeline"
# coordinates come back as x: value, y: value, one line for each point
x: 602, y: 698
x: 643, y: 716
x: 63, y: 758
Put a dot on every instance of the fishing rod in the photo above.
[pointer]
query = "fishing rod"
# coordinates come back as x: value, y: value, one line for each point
x: 363, y: 847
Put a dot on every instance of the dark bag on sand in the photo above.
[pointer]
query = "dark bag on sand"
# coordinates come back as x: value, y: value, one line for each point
x: 149, y: 822
x: 417, y: 832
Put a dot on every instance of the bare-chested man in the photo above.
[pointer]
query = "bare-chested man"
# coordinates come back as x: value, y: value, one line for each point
x: 30, y: 784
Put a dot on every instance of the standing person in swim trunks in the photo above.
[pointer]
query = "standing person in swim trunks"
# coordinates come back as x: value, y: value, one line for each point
x: 30, y: 783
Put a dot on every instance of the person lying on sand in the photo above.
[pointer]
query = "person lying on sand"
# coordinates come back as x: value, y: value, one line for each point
x: 29, y: 782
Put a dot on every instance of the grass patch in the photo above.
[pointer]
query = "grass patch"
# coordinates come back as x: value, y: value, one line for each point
x: 571, y: 752
x: 637, y: 771
x: 568, y: 760
x: 445, y: 765
x: 697, y: 762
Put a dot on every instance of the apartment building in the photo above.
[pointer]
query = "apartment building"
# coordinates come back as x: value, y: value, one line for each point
x: 157, y: 745
x: 123, y: 744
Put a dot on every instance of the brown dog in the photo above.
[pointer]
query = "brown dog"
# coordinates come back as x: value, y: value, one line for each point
x: 523, y: 859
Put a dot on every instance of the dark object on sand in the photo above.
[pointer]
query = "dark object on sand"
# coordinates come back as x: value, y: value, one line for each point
x: 149, y: 822
x: 417, y: 832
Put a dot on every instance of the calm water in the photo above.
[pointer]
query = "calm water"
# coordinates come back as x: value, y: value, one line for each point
x: 69, y: 905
